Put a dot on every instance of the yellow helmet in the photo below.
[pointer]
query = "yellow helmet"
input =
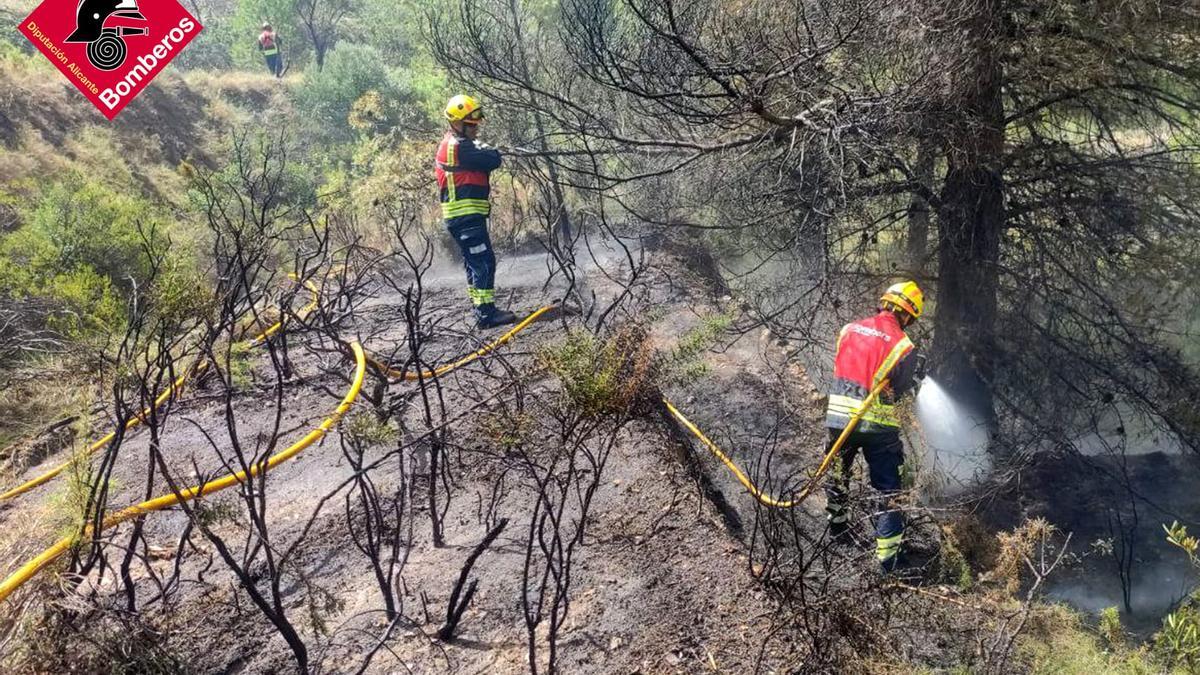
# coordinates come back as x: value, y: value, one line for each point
x: 463, y: 108
x: 907, y: 296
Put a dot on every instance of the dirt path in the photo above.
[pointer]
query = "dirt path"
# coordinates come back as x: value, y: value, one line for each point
x: 660, y: 585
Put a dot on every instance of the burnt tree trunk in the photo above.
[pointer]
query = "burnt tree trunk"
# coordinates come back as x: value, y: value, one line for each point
x: 971, y: 220
x: 917, y: 241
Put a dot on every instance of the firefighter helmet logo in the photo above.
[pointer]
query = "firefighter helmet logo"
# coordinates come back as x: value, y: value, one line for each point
x: 110, y: 49
x: 105, y: 46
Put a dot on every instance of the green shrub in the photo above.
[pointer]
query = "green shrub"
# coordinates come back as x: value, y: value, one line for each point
x: 1178, y: 643
x: 81, y: 222
x: 602, y: 376
x: 86, y: 304
x: 368, y: 429
x: 1057, y: 641
x: 1110, y: 628
x: 215, y: 48
x: 350, y: 72
x: 181, y: 293
x: 80, y: 249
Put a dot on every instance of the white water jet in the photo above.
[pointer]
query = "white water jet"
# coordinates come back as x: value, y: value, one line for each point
x: 953, y: 443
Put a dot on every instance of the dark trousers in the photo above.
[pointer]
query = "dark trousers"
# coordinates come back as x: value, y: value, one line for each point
x: 275, y: 64
x: 471, y: 234
x: 884, y: 452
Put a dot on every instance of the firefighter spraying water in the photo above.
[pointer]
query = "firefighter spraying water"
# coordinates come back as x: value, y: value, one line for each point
x: 874, y: 359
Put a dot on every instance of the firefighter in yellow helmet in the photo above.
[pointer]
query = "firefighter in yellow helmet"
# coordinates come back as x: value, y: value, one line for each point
x: 464, y: 165
x: 869, y: 351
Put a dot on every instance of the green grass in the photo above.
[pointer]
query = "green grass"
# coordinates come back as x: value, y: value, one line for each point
x: 1059, y: 643
x: 684, y: 364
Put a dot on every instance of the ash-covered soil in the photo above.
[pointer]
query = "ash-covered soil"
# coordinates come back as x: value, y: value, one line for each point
x: 662, y: 581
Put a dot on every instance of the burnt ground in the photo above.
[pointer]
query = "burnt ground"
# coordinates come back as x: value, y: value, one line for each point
x: 1122, y: 501
x: 659, y: 585
x: 662, y: 583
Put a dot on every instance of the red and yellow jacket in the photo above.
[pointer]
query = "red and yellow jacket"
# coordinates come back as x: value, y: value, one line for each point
x: 462, y: 172
x: 868, y: 351
x: 267, y: 43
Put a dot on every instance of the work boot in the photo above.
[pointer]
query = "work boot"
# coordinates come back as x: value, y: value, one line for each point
x: 839, y: 532
x: 487, y: 316
x: 898, y: 567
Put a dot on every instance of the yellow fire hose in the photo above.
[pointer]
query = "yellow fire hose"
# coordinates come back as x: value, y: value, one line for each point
x: 29, y: 569
x: 442, y: 370
x: 172, y: 390
x: 104, y: 441
x: 753, y: 489
x: 26, y: 572
x: 312, y: 304
x: 733, y: 468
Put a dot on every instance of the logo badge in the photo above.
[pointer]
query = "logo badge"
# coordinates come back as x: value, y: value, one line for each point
x: 110, y: 49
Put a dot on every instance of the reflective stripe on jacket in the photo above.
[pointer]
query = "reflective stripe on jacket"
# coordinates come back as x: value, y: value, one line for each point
x: 869, y: 351
x: 462, y: 172
x: 266, y: 42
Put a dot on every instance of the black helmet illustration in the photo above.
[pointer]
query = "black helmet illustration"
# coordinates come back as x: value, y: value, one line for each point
x: 105, y: 48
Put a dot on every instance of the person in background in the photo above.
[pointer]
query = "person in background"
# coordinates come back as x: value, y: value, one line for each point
x: 268, y: 44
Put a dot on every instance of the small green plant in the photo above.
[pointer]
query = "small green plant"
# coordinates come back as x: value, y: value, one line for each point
x: 72, y: 504
x: 212, y: 514
x: 1177, y: 535
x: 1177, y: 644
x: 1110, y: 628
x: 368, y: 429
x: 690, y: 372
x: 507, y: 430
x: 241, y: 373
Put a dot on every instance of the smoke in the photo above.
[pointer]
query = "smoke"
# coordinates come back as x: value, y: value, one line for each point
x: 1157, y: 587
x: 1124, y: 433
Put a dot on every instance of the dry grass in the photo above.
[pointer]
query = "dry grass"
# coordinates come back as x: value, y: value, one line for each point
x: 30, y: 401
x: 1059, y: 642
x: 1015, y: 547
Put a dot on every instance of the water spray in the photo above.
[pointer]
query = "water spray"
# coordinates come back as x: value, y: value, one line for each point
x: 956, y: 440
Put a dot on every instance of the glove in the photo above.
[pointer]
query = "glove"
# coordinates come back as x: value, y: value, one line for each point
x: 919, y: 368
